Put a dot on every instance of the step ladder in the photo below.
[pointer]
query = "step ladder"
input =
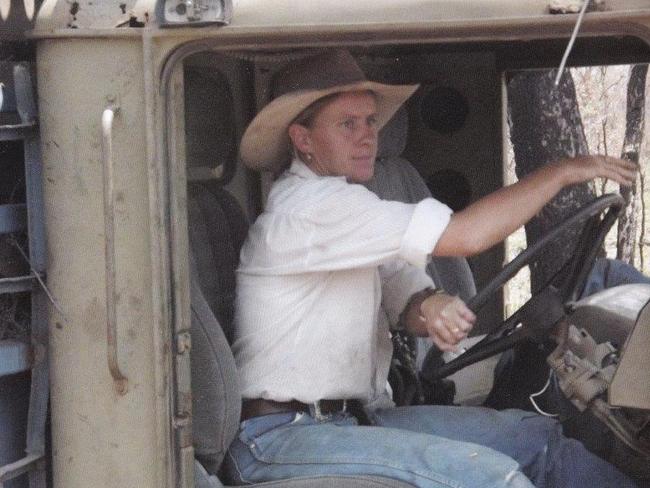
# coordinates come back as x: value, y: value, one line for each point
x: 18, y: 103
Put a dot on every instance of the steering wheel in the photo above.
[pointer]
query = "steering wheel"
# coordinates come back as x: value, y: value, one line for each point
x: 550, y: 303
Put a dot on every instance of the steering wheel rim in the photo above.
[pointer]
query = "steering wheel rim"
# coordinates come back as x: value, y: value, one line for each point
x: 546, y: 305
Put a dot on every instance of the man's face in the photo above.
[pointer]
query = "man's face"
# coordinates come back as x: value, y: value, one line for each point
x: 342, y: 139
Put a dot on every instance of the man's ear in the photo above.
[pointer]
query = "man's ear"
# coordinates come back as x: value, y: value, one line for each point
x: 300, y: 138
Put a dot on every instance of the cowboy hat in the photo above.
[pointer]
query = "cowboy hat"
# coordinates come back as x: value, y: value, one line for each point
x: 265, y: 144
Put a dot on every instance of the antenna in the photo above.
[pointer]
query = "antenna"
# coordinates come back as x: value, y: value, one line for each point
x: 571, y: 41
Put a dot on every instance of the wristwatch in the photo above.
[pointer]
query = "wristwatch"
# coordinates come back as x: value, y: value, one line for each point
x: 418, y: 297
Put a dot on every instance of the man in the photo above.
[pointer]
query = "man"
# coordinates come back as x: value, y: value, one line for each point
x: 314, y: 270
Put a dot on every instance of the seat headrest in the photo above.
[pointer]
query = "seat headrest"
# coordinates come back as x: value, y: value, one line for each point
x: 211, y: 140
x: 392, y: 137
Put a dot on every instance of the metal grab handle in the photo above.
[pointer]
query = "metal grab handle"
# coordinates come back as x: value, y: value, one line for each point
x: 121, y: 382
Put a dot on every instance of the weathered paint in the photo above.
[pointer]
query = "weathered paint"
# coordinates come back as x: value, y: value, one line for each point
x: 97, y: 432
x: 107, y: 14
x: 472, y: 18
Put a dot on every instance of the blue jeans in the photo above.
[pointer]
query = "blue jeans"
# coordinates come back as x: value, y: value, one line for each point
x: 427, y: 446
x: 608, y: 273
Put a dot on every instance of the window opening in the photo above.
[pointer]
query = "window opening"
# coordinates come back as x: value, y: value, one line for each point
x: 596, y: 110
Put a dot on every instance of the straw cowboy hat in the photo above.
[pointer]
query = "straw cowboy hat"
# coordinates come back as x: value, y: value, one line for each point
x: 265, y: 144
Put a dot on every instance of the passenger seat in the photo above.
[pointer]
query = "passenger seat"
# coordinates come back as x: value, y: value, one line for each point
x: 396, y: 179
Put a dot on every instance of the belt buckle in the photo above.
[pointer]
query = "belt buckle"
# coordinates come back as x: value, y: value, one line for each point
x: 317, y: 413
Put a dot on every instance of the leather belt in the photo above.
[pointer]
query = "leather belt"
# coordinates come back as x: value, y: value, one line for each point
x: 259, y: 406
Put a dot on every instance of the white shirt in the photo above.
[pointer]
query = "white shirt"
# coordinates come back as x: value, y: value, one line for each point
x: 314, y: 270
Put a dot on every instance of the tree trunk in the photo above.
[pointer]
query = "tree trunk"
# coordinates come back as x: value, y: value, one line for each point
x: 634, y: 123
x: 545, y: 125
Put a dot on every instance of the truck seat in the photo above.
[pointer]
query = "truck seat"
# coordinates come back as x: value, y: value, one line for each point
x: 217, y: 228
x: 396, y: 179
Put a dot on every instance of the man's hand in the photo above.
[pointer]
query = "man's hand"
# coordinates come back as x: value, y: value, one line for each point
x: 447, y: 320
x: 585, y: 168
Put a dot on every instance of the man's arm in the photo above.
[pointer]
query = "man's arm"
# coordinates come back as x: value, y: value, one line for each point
x: 446, y: 319
x: 494, y: 217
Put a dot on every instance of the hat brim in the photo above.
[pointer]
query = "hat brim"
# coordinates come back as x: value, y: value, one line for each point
x: 265, y: 144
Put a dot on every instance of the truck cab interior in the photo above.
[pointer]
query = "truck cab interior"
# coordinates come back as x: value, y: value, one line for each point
x: 456, y: 121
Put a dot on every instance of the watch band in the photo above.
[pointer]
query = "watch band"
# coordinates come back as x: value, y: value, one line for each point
x: 418, y: 297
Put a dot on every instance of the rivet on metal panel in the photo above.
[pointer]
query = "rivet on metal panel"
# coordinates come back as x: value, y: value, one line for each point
x: 182, y: 421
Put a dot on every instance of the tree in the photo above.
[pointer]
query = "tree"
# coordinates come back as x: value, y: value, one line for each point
x: 545, y: 125
x: 634, y: 125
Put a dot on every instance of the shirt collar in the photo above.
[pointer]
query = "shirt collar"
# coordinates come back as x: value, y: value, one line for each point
x: 300, y: 169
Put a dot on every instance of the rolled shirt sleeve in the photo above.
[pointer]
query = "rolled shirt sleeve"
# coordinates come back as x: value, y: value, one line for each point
x: 428, y: 222
x: 345, y: 226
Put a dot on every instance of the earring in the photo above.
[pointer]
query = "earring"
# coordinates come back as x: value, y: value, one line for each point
x: 309, y: 157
